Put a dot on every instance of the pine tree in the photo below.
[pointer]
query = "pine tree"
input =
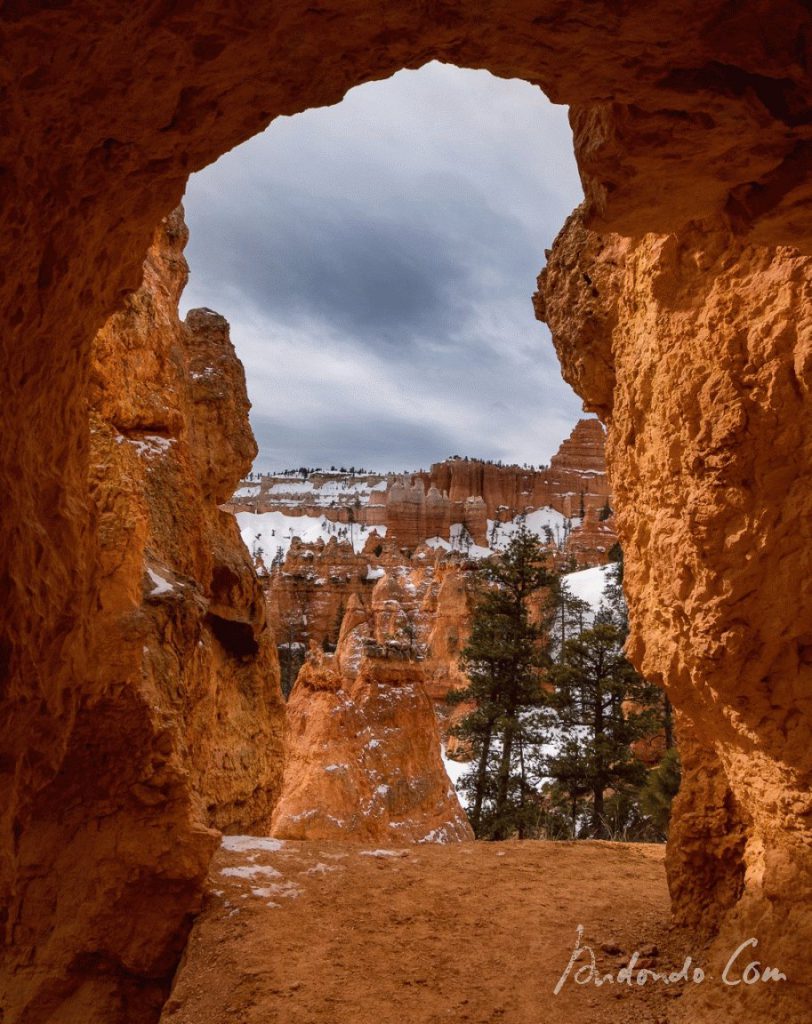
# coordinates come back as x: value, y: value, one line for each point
x: 504, y: 659
x: 568, y: 615
x: 601, y: 705
x: 616, y: 603
x: 657, y: 795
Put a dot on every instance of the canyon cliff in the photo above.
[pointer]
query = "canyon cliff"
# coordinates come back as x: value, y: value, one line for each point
x: 414, y: 507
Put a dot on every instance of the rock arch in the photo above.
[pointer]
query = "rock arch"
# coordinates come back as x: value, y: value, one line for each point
x: 677, y: 314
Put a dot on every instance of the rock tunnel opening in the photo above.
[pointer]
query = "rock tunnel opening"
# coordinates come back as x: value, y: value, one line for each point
x: 694, y: 155
x: 376, y: 262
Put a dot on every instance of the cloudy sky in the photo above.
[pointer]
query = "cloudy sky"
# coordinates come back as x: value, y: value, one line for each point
x: 376, y: 261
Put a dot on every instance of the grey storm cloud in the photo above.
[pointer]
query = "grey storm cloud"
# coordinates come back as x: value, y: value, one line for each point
x: 388, y: 444
x: 376, y: 261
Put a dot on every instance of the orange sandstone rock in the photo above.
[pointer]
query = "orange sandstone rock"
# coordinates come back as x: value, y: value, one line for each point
x: 186, y: 711
x: 364, y: 763
x: 709, y: 437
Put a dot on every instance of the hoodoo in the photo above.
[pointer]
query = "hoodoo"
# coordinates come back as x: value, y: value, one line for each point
x: 137, y: 685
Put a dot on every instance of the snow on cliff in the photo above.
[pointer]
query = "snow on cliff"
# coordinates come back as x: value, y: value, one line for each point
x: 272, y: 531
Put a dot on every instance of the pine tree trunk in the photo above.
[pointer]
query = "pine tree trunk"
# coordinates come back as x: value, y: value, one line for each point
x: 668, y: 722
x: 598, y: 728
x: 522, y: 787
x: 503, y: 783
x: 481, y: 779
x: 598, y: 820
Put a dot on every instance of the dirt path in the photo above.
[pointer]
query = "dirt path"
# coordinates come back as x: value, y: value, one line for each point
x: 474, y: 933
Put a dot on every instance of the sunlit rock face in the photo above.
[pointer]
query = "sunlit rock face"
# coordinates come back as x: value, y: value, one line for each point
x: 709, y: 342
x: 693, y: 143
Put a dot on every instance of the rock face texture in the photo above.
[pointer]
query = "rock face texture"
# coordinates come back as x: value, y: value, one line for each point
x: 307, y: 599
x: 709, y: 341
x: 364, y: 761
x: 592, y: 539
x: 183, y: 705
x: 695, y: 145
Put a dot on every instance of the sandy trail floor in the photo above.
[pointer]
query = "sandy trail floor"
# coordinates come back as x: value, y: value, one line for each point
x: 474, y: 933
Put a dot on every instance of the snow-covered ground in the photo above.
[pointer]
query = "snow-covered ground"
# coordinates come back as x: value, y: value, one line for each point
x: 590, y: 584
x: 454, y: 769
x: 550, y: 526
x: 546, y: 523
x: 249, y: 491
x: 272, y: 531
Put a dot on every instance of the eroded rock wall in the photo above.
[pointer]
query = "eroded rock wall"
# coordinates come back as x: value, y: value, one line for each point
x: 697, y: 351
x: 179, y: 729
x: 576, y: 476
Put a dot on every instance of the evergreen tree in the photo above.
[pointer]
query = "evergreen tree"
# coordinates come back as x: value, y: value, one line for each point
x: 568, y: 616
x: 504, y: 659
x: 616, y: 603
x: 601, y: 705
x: 661, y: 786
x: 614, y: 598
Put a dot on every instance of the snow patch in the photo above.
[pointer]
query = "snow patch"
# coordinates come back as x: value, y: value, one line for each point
x: 590, y: 584
x: 455, y: 770
x: 322, y: 869
x: 241, y: 844
x: 273, y: 532
x: 159, y: 584
x: 250, y: 871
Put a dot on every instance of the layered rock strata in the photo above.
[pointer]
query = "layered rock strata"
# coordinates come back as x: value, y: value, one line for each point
x: 420, y: 505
